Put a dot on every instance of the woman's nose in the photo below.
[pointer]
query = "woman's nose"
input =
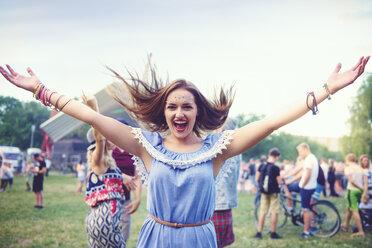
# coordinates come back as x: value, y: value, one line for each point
x: 179, y: 112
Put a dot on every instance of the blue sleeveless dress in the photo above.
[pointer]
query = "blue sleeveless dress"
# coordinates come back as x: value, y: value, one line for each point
x: 181, y: 189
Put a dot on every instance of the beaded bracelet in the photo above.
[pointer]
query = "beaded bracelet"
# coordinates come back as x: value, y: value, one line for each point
x: 329, y: 95
x: 43, y: 95
x: 36, y: 87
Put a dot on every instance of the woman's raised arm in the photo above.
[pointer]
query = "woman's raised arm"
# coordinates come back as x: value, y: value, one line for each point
x: 252, y: 133
x: 118, y: 133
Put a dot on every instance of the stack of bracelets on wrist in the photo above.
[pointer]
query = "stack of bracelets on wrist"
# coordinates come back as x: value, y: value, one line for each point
x: 41, y: 94
x: 329, y: 94
x: 314, y: 107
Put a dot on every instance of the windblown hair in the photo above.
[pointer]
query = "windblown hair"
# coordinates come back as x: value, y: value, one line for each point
x: 146, y: 102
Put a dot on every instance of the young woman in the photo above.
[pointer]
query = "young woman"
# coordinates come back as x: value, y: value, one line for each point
x: 104, y: 192
x: 80, y: 169
x: 357, y: 188
x: 181, y: 167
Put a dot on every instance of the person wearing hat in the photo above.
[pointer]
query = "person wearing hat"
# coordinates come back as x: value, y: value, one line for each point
x: 104, y: 191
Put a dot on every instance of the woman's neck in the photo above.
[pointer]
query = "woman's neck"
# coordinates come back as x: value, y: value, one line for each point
x: 187, y: 144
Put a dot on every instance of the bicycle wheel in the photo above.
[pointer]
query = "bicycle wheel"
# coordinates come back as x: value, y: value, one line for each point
x: 282, y: 218
x: 327, y: 219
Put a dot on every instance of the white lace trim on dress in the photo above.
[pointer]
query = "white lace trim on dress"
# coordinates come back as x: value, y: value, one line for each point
x: 196, y: 157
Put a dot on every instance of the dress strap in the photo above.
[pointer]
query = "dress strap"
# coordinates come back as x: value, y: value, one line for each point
x: 178, y: 225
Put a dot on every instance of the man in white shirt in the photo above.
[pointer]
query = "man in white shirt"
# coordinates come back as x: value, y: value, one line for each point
x: 307, y: 183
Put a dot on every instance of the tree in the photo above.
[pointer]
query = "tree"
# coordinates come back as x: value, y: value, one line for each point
x: 16, y: 119
x: 360, y: 139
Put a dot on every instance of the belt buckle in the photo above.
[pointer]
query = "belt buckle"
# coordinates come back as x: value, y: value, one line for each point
x: 178, y: 225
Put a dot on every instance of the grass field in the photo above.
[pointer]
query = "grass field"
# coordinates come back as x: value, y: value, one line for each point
x: 61, y: 222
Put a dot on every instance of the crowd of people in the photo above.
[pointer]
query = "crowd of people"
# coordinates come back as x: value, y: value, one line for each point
x: 180, y: 165
x: 309, y: 178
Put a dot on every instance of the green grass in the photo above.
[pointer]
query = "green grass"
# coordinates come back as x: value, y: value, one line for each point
x: 61, y: 222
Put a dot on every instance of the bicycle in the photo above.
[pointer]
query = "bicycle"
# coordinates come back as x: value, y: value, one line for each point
x: 325, y: 221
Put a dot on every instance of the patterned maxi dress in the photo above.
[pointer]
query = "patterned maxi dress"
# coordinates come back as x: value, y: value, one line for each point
x: 105, y: 196
x: 181, y: 189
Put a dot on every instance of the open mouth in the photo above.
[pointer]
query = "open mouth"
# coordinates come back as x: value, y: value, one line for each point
x: 180, y: 125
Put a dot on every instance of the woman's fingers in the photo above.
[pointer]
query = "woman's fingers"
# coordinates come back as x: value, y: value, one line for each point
x: 11, y: 70
x: 5, y: 74
x: 30, y: 71
x: 365, y: 61
x: 355, y: 67
x: 338, y: 68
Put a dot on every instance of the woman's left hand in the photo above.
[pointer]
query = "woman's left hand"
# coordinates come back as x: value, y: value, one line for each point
x: 339, y: 80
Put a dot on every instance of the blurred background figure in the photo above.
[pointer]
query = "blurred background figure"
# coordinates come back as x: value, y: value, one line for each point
x: 243, y: 176
x: 81, y: 176
x: 226, y: 195
x: 28, y: 173
x: 325, y: 168
x: 6, y: 177
x: 253, y: 164
x: 332, y: 178
x: 357, y: 189
x: 131, y: 182
x: 37, y: 186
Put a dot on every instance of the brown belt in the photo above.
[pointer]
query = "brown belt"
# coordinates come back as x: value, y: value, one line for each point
x: 178, y: 225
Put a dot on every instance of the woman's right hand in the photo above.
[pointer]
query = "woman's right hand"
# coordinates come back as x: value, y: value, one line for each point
x: 129, y: 182
x: 21, y: 81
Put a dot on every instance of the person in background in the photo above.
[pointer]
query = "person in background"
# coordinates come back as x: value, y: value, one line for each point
x: 292, y: 181
x: 325, y: 168
x: 81, y: 176
x: 38, y: 183
x: 332, y: 178
x: 244, y: 176
x: 258, y: 163
x: 269, y: 201
x: 340, y: 177
x: 252, y: 174
x: 131, y: 182
x: 307, y: 183
x: 104, y: 190
x: 6, y: 176
x: 28, y: 173
x: 365, y: 205
x: 226, y: 195
x: 48, y: 164
x: 357, y: 188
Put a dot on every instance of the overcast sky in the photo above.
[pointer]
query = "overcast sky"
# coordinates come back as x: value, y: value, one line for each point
x: 273, y: 51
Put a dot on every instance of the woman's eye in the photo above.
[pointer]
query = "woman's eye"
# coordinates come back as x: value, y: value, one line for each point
x: 171, y: 107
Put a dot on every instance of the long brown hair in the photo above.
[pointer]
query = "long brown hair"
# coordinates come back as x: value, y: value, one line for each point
x: 360, y: 161
x: 146, y: 102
